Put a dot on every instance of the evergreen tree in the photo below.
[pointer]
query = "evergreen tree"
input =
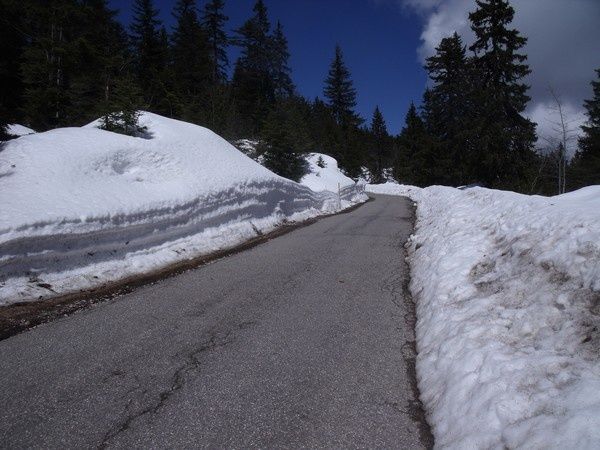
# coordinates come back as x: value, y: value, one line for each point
x: 12, y: 42
x: 190, y: 63
x: 586, y: 164
x: 213, y: 21
x: 340, y: 92
x: 504, y: 137
x: 280, y: 70
x: 286, y: 139
x: 149, y: 43
x: 48, y: 60
x: 415, y: 162
x: 380, y: 142
x: 252, y: 82
x: 447, y: 110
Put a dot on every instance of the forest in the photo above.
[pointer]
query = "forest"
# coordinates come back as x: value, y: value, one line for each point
x: 67, y: 62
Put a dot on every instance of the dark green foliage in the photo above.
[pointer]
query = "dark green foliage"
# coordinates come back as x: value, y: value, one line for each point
x: 416, y: 159
x: 448, y: 112
x: 504, y: 138
x: 252, y: 82
x: 280, y: 70
x: 321, y: 162
x: 286, y: 138
x: 150, y: 50
x: 340, y: 92
x: 12, y: 41
x: 190, y: 64
x: 213, y: 21
x: 380, y: 146
x: 122, y: 107
x: 586, y: 164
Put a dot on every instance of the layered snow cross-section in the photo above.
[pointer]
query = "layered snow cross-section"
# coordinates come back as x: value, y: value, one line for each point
x: 83, y: 206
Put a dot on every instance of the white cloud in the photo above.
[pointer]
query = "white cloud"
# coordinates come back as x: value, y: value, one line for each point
x: 563, y: 44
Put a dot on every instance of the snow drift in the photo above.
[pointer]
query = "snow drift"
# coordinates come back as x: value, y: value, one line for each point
x: 82, y: 206
x: 508, y: 303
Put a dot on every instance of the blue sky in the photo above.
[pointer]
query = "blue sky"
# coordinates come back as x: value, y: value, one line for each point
x: 379, y: 40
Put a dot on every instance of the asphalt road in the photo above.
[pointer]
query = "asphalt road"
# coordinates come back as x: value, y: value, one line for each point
x: 304, y: 341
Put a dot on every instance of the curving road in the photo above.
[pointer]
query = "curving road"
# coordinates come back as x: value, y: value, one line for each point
x: 304, y: 341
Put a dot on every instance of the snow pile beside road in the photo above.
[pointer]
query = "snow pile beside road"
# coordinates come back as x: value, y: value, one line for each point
x: 508, y: 302
x: 326, y: 178
x: 82, y: 206
x: 18, y: 130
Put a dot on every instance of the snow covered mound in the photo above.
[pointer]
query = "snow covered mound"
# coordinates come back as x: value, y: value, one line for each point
x: 508, y: 303
x: 82, y: 206
x: 327, y: 178
x: 18, y: 130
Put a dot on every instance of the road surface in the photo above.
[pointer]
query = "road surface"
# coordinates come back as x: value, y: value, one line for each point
x: 304, y: 341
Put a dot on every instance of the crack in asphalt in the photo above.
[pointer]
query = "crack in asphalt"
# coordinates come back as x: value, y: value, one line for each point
x: 191, y: 363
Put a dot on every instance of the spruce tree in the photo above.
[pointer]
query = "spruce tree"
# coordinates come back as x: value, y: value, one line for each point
x: 213, y: 21
x: 252, y: 82
x: 447, y: 110
x: 149, y: 50
x: 190, y: 63
x: 286, y: 139
x: 415, y: 161
x: 48, y: 60
x: 340, y: 91
x: 380, y: 137
x: 280, y: 70
x: 586, y: 164
x: 505, y: 138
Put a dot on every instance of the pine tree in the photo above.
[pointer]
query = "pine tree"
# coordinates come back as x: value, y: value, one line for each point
x: 149, y: 49
x: 586, y: 164
x: 280, y: 70
x: 340, y: 92
x: 448, y: 112
x: 190, y: 63
x: 213, y: 21
x: 505, y: 137
x: 380, y: 142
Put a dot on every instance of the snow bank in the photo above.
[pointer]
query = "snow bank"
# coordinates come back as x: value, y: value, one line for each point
x: 327, y: 178
x: 83, y: 206
x: 508, y: 302
x: 18, y: 130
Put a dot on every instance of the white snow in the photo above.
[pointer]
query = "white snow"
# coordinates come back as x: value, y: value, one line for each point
x: 83, y: 206
x: 328, y: 178
x: 508, y: 303
x: 18, y: 130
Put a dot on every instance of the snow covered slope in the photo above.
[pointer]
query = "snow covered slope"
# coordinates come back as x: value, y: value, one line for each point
x: 18, y: 130
x: 328, y: 178
x: 82, y: 206
x: 508, y: 303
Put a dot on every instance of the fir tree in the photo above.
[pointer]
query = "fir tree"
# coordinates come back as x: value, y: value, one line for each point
x: 380, y: 142
x: 586, y: 164
x: 213, y: 21
x: 340, y: 92
x: 505, y: 137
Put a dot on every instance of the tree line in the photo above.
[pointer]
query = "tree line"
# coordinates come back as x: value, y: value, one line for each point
x: 67, y: 62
